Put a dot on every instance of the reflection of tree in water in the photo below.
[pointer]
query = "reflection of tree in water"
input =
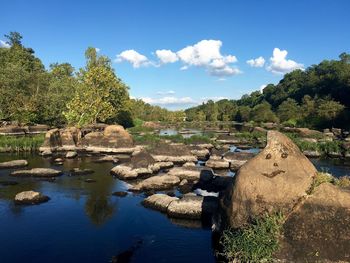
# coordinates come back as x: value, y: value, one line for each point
x: 99, y: 208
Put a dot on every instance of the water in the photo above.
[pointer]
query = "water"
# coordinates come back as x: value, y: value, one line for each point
x: 83, y: 222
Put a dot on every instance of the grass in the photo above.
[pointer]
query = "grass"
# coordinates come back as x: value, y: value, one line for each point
x: 21, y: 143
x: 324, y: 177
x: 151, y: 139
x: 255, y: 243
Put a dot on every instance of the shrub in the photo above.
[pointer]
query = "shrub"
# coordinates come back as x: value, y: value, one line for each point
x: 255, y: 243
x: 21, y: 143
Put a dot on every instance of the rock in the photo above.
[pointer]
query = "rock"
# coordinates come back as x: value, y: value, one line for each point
x: 88, y: 180
x: 45, y: 153
x: 337, y: 132
x: 78, y: 172
x: 71, y: 154
x: 151, y: 125
x: 159, y: 202
x: 13, y: 164
x: 37, y: 172
x: 172, y: 153
x: 322, y: 225
x: 259, y: 129
x: 311, y: 140
x: 192, y: 173
x: 189, y: 164
x: 237, y: 159
x: 192, y: 207
x: 30, y: 197
x: 217, y: 163
x: 164, y: 165
x: 58, y: 160
x: 200, y: 153
x: 312, y: 154
x: 12, y: 130
x: 120, y: 194
x: 158, y: 182
x: 334, y: 154
x: 274, y: 180
x: 107, y: 158
x: 228, y: 139
x: 124, y: 172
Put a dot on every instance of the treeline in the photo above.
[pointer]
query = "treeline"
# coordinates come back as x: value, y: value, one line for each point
x: 317, y: 97
x: 60, y: 95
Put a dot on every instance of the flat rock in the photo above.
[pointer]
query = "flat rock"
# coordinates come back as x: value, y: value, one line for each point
x: 78, y: 171
x: 158, y: 182
x: 192, y: 173
x: 37, y: 172
x: 159, y: 202
x: 13, y: 164
x: 107, y: 158
x: 216, y: 163
x: 192, y: 207
x: 71, y: 154
x: 124, y: 172
x: 30, y: 197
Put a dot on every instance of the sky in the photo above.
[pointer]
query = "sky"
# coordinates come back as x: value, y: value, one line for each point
x: 177, y: 54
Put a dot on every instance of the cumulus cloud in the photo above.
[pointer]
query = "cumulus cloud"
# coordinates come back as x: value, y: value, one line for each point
x: 207, y: 54
x: 280, y: 65
x: 262, y: 87
x: 205, y: 99
x: 4, y: 44
x: 169, y: 92
x: 97, y: 49
x: 257, y: 62
x: 133, y: 57
x: 170, y: 101
x: 166, y: 56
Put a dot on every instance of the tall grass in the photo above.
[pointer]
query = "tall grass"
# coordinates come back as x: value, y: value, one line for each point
x: 21, y: 143
x: 255, y: 243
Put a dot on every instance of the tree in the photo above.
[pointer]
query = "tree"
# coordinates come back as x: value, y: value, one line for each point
x: 263, y: 113
x: 97, y: 92
x: 14, y: 38
x: 288, y: 110
x: 211, y: 111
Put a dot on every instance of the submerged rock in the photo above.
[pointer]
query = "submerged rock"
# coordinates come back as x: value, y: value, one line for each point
x: 120, y: 194
x: 37, y: 172
x: 78, y: 171
x: 275, y: 180
x: 107, y: 158
x: 13, y: 164
x: 159, y: 202
x: 30, y: 197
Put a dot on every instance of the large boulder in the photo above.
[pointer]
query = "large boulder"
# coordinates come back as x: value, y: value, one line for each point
x: 274, y: 180
x: 164, y: 152
x: 30, y: 198
x: 13, y: 164
x: 159, y: 201
x: 320, y: 228
x: 158, y: 182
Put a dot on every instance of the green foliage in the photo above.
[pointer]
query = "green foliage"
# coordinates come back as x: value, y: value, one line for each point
x: 21, y: 143
x: 256, y: 242
x: 263, y: 113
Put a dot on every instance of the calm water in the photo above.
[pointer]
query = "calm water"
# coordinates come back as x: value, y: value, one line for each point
x: 83, y: 222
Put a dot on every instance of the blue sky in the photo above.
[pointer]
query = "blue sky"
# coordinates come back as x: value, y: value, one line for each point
x: 178, y: 53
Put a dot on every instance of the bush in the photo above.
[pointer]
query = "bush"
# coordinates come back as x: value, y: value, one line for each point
x: 255, y: 243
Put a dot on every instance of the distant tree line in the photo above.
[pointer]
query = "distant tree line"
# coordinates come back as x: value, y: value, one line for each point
x: 317, y: 97
x: 58, y: 96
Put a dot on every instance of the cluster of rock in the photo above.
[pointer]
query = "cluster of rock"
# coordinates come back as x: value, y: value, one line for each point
x: 15, y: 129
x: 113, y: 139
x: 282, y: 179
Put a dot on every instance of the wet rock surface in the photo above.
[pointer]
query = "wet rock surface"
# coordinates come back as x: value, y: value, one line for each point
x: 30, y: 198
x: 13, y: 164
x: 37, y: 172
x: 159, y: 202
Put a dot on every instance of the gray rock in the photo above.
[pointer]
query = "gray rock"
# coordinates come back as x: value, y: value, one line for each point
x: 13, y: 164
x: 37, y: 172
x: 30, y: 197
x: 71, y: 154
x: 159, y: 202
x: 158, y: 182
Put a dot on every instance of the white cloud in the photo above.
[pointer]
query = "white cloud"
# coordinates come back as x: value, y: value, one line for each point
x: 166, y: 56
x: 170, y: 101
x: 169, y: 92
x: 262, y: 87
x: 280, y: 65
x: 133, y: 57
x: 205, y: 99
x: 257, y: 62
x: 97, y: 49
x: 206, y: 54
x: 4, y: 44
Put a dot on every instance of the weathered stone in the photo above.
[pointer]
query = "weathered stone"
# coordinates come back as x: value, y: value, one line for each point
x: 274, y: 180
x: 78, y: 172
x: 71, y: 154
x: 216, y: 163
x: 189, y: 164
x: 192, y: 173
x: 37, y: 172
x: 237, y: 159
x: 159, y: 202
x: 312, y: 154
x: 192, y: 207
x: 158, y: 182
x: 319, y: 231
x: 124, y: 172
x: 30, y: 197
x: 13, y: 164
x: 107, y: 158
x: 200, y: 153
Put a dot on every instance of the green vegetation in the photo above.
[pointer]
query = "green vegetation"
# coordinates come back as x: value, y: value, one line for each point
x: 21, y: 143
x: 151, y: 139
x: 317, y: 97
x: 323, y: 177
x: 29, y: 93
x: 256, y: 242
